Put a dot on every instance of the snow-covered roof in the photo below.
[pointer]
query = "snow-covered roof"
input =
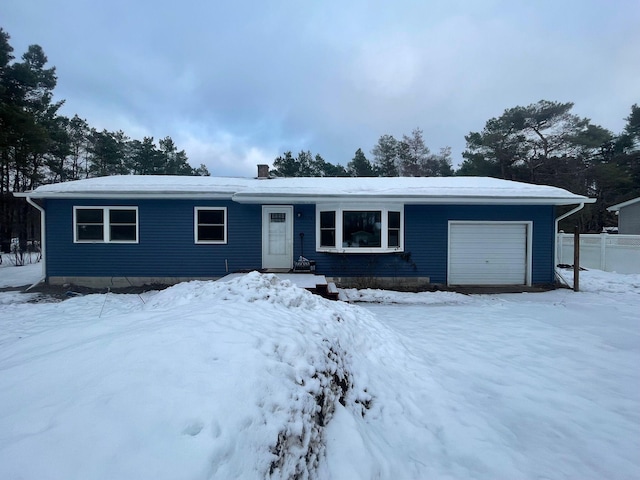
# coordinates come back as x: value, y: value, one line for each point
x: 407, y: 190
x: 312, y: 190
x: 618, y: 206
x: 143, y: 185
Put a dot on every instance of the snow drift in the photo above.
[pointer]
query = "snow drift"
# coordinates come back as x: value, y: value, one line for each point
x: 227, y: 380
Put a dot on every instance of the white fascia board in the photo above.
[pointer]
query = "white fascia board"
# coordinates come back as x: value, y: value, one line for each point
x: 314, y: 199
x: 421, y: 200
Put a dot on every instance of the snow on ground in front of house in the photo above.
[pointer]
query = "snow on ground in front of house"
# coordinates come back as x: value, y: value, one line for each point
x: 529, y: 385
x: 257, y: 378
x: 597, y: 281
x: 371, y: 295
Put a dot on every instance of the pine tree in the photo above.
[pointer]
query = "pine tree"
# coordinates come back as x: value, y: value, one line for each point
x: 107, y: 153
x: 78, y: 131
x: 413, y: 155
x: 285, y: 166
x: 385, y: 156
x: 360, y: 166
x: 173, y: 162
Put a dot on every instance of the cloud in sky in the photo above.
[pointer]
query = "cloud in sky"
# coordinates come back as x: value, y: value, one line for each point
x: 238, y: 83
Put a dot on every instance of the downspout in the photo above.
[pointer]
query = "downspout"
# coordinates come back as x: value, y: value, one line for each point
x: 562, y: 217
x: 42, y: 241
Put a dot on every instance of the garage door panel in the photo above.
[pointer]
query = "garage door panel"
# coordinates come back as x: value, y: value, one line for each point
x: 488, y: 253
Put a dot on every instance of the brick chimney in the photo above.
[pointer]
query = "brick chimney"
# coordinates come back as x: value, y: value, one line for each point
x: 263, y: 172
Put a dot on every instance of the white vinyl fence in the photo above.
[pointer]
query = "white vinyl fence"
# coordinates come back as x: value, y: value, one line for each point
x: 611, y: 253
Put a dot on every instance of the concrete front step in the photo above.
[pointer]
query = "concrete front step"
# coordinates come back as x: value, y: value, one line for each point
x: 326, y: 290
x: 332, y: 291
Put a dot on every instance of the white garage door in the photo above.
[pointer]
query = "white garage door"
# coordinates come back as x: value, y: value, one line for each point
x: 489, y: 253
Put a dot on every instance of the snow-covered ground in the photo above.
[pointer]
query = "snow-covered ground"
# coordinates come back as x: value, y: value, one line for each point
x: 12, y: 276
x: 256, y: 378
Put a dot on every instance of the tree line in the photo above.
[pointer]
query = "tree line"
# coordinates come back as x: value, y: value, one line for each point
x: 542, y: 143
x: 408, y: 157
x: 38, y: 145
x: 545, y: 143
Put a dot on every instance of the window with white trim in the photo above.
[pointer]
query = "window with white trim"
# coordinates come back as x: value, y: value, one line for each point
x: 116, y: 224
x: 359, y: 230
x: 210, y: 224
x: 328, y: 229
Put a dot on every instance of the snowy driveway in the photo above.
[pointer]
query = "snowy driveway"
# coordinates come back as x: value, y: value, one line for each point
x: 529, y: 385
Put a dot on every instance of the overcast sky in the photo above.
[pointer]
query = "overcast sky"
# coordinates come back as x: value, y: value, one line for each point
x: 237, y: 83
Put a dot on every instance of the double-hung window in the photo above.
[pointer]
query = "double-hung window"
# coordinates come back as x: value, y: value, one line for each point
x: 210, y: 224
x: 116, y: 224
x: 359, y: 230
x: 328, y: 229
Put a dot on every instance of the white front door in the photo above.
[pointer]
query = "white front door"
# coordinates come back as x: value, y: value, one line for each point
x: 277, y: 237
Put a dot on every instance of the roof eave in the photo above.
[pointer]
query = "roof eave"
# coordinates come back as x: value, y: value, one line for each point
x: 403, y: 199
x: 249, y: 198
x: 617, y: 207
x: 127, y: 195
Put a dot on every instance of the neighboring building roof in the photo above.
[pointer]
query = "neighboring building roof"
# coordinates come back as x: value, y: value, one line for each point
x: 618, y: 206
x: 466, y: 190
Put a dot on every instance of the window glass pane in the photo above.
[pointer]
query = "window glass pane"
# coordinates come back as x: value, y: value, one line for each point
x: 394, y: 219
x: 328, y: 229
x: 211, y: 233
x: 123, y: 233
x: 327, y: 219
x: 278, y: 217
x: 122, y: 216
x: 394, y: 238
x: 328, y: 238
x: 215, y: 217
x: 361, y: 228
x: 90, y: 232
x: 89, y: 215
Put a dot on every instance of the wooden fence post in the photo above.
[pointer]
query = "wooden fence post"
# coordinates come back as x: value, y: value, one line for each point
x: 576, y: 260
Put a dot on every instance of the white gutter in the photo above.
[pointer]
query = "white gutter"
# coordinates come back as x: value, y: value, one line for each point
x: 570, y: 212
x: 562, y: 217
x: 42, y: 241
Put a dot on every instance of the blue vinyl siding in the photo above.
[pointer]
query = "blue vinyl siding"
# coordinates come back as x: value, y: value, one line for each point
x: 426, y: 243
x: 304, y: 221
x: 166, y: 246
